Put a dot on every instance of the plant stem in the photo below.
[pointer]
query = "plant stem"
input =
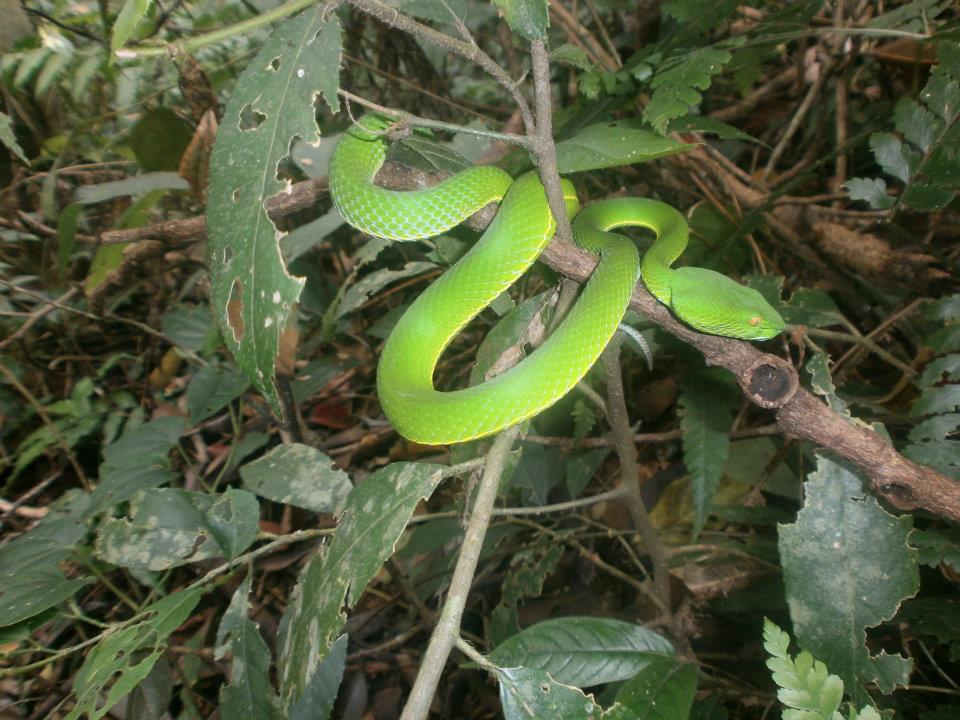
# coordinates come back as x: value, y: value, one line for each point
x: 627, y: 450
x: 447, y: 631
x: 542, y: 140
x: 195, y: 43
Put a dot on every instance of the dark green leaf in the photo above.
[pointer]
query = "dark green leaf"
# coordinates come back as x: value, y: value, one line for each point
x: 935, y: 428
x: 926, y: 197
x: 212, y: 389
x: 136, y: 185
x: 189, y: 326
x: 847, y: 566
x: 679, y: 87
x: 375, y: 514
x: 893, y: 156
x: 531, y: 694
x: 234, y: 520
x: 149, y: 700
x: 940, y: 399
x: 159, y: 139
x: 708, y: 126
x: 917, y: 124
x: 663, y: 690
x: 942, y: 95
x: 813, y: 308
x: 272, y: 102
x: 299, y: 475
x: 9, y: 139
x: 526, y: 17
x: 707, y: 407
x: 611, y: 144
x: 571, y: 55
x: 317, y: 700
x: 583, y: 651
x: 249, y: 693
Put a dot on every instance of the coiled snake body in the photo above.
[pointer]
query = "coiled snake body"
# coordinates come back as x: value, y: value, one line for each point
x: 703, y: 299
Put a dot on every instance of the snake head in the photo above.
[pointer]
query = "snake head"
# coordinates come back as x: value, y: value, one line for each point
x: 720, y: 306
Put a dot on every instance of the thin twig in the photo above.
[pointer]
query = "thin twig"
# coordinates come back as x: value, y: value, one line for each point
x: 448, y: 624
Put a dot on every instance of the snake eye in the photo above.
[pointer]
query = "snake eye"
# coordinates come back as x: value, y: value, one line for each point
x: 754, y: 321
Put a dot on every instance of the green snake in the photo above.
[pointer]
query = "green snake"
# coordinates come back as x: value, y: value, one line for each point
x: 705, y: 300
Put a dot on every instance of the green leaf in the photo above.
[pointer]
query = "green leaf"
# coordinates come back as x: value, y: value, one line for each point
x: 945, y: 309
x: 375, y: 514
x: 131, y: 13
x: 234, y: 520
x: 942, y: 95
x: 709, y: 126
x: 663, y: 690
x: 948, y: 55
x: 926, y: 197
x: 526, y: 17
x: 316, y: 703
x: 151, y: 697
x: 166, y: 527
x: 707, y: 407
x: 582, y: 466
x: 32, y: 580
x: 935, y: 428
x: 272, y: 102
x: 249, y: 693
x: 917, y: 124
x: 946, y: 339
x: 804, y: 684
x: 813, y: 308
x: 531, y: 694
x: 212, y: 389
x: 847, y: 566
x: 583, y: 651
x: 893, y: 156
x: 611, y: 144
x: 159, y: 139
x: 679, y: 87
x: 361, y: 291
x: 436, y: 10
x: 188, y: 326
x: 571, y: 55
x: 117, y: 658
x: 297, y: 474
x: 935, y: 400
x: 136, y: 461
x: 136, y: 185
x: 9, y: 139
x: 873, y: 190
x: 821, y: 382
x: 507, y: 340
x: 528, y: 571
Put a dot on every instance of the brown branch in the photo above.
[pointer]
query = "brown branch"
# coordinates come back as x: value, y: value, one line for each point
x: 770, y: 382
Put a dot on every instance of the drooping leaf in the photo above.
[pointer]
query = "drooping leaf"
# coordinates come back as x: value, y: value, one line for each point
x: 707, y: 406
x: 375, y: 514
x: 297, y: 474
x: 249, y: 693
x: 583, y: 651
x: 116, y: 658
x: 317, y: 700
x: 272, y: 103
x: 531, y: 694
x: 611, y: 144
x: 847, y: 566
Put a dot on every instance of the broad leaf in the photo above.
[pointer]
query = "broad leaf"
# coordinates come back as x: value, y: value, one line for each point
x: 117, y: 659
x: 583, y: 651
x: 531, y: 694
x: 299, y: 475
x: 375, y: 514
x: 249, y: 693
x: 272, y: 103
x: 847, y: 566
x: 663, y: 690
x: 526, y: 17
x: 211, y: 389
x: 611, y: 144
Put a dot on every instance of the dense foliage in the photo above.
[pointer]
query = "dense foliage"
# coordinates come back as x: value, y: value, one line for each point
x: 205, y: 512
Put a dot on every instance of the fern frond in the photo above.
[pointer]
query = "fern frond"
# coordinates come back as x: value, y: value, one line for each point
x: 804, y: 684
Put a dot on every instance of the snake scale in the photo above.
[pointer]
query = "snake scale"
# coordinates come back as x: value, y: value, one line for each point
x: 703, y: 299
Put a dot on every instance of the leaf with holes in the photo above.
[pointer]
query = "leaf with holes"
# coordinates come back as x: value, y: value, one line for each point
x: 272, y: 103
x: 116, y: 658
x: 847, y: 566
x: 375, y: 514
x: 249, y: 693
x: 531, y: 694
x: 583, y: 651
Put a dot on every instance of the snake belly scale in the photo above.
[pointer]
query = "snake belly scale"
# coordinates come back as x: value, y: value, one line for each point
x: 511, y: 243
